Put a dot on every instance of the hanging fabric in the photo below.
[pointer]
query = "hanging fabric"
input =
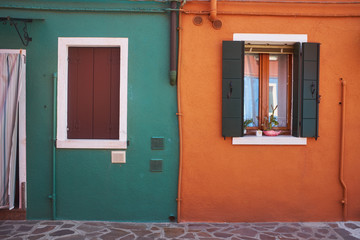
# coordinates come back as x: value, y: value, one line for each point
x: 12, y: 75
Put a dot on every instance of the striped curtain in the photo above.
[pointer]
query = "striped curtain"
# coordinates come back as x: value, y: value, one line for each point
x: 12, y: 74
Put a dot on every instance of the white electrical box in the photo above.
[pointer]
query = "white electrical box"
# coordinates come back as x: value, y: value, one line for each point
x: 118, y: 157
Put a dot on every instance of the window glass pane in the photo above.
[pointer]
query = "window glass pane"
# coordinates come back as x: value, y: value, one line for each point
x: 251, y: 88
x: 278, y: 87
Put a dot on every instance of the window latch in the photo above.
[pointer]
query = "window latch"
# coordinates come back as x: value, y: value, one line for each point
x: 230, y: 90
x: 313, y: 89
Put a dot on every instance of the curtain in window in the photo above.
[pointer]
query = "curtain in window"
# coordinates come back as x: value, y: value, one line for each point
x: 12, y: 74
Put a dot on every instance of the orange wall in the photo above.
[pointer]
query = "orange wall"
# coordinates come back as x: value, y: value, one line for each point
x: 224, y: 182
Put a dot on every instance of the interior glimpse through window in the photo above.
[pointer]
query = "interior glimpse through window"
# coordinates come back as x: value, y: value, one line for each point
x: 267, y: 86
x: 278, y: 87
x: 251, y: 88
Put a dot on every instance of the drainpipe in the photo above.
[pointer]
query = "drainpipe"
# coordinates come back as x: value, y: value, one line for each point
x: 179, y: 114
x: 53, y: 195
x: 213, y: 15
x: 342, y: 153
x: 173, y: 44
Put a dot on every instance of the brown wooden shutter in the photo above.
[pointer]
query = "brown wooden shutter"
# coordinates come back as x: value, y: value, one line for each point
x: 93, y: 102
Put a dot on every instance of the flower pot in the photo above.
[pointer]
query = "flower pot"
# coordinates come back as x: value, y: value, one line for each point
x: 271, y: 133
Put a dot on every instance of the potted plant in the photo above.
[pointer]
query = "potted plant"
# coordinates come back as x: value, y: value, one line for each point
x: 270, y: 123
x: 247, y: 122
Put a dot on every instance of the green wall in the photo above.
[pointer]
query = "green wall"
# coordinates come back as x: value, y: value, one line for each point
x: 89, y: 186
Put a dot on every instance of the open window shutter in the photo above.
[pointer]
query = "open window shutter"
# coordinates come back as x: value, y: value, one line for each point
x: 296, y: 90
x: 310, y: 90
x: 232, y: 88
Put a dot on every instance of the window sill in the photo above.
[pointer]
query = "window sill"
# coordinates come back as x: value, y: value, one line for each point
x: 265, y: 140
x: 91, y: 144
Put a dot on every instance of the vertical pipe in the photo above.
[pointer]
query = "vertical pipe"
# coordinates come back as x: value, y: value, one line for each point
x: 179, y: 114
x: 213, y: 10
x: 53, y: 196
x: 342, y: 146
x: 173, y: 44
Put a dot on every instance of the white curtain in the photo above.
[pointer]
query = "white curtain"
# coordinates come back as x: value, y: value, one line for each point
x: 12, y: 75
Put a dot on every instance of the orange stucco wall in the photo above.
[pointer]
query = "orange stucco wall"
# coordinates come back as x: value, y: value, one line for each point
x: 223, y: 182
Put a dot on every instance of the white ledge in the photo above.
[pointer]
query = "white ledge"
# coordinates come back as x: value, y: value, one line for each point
x: 266, y: 140
x: 91, y: 144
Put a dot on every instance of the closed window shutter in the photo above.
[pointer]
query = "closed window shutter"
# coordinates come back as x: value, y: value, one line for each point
x: 93, y: 93
x: 310, y: 90
x: 80, y: 93
x: 232, y: 88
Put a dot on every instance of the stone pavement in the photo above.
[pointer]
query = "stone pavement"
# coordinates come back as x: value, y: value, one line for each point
x: 78, y: 230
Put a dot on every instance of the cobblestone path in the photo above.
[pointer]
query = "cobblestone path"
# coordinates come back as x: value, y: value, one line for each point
x: 78, y: 230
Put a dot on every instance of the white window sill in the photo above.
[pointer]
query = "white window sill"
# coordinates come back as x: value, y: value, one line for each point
x: 91, y: 144
x: 265, y: 140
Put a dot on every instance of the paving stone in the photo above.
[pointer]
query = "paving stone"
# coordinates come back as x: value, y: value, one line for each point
x: 154, y: 235
x: 141, y: 232
x: 113, y: 234
x: 155, y: 229
x: 128, y: 225
x: 24, y: 228
x: 61, y: 233
x: 203, y: 234
x: 212, y: 229
x: 67, y: 225
x: 323, y: 231
x: 6, y: 227
x: 73, y: 237
x: 52, y: 223
x: 129, y: 237
x: 318, y: 235
x: 344, y: 234
x: 88, y: 228
x: 333, y: 237
x: 35, y: 237
x: 266, y: 237
x: 188, y: 236
x: 5, y: 232
x: 102, y: 224
x: 351, y: 225
x: 43, y: 229
x: 173, y: 232
x: 245, y: 232
x: 222, y: 234
x: 286, y: 229
x: 304, y: 235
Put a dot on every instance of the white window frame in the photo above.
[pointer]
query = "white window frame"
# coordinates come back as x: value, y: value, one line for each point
x: 62, y: 95
x: 274, y: 39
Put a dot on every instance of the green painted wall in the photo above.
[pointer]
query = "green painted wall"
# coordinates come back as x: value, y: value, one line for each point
x: 89, y: 187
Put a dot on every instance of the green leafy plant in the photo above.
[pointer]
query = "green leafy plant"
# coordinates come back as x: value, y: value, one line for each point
x: 247, y: 122
x: 270, y: 122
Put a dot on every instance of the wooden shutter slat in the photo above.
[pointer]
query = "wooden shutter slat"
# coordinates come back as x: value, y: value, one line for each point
x: 102, y: 94
x: 310, y: 90
x: 115, y: 92
x: 80, y: 93
x: 232, y: 88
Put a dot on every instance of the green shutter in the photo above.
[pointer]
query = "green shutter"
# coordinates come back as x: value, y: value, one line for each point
x: 310, y: 90
x: 232, y: 88
x: 296, y: 90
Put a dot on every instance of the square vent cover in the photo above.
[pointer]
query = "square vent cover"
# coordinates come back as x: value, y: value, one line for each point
x: 157, y: 143
x: 156, y: 165
x: 118, y: 157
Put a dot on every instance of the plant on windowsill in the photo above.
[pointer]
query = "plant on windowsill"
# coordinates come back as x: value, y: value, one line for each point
x: 270, y: 123
x: 247, y: 122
